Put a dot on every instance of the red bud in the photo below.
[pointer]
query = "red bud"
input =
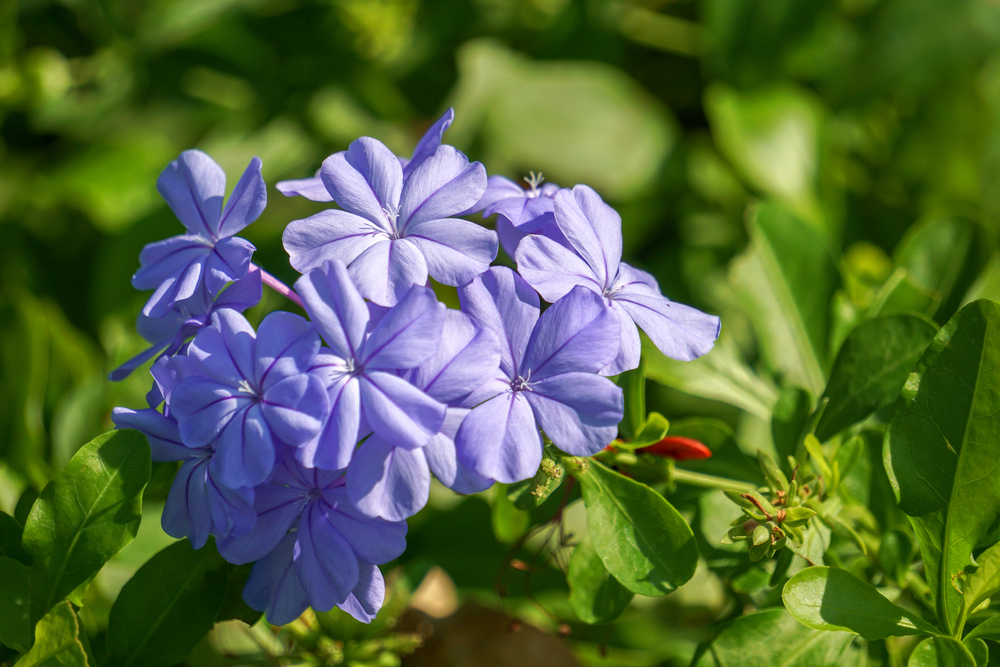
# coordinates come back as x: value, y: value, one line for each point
x: 679, y: 449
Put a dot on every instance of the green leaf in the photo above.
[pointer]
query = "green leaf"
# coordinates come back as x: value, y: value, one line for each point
x: 595, y: 595
x: 509, y: 523
x: 57, y: 641
x: 644, y: 542
x: 168, y: 606
x: 825, y: 598
x: 988, y: 629
x: 10, y: 539
x: 871, y: 368
x: 984, y: 583
x: 788, y: 421
x: 943, y: 256
x: 15, y: 626
x: 941, y: 652
x: 86, y: 515
x: 772, y: 638
x: 654, y: 430
x: 633, y: 384
x: 234, y: 607
x: 979, y: 650
x: 24, y: 503
x: 941, y: 445
x: 721, y: 375
x: 785, y: 281
x: 901, y: 293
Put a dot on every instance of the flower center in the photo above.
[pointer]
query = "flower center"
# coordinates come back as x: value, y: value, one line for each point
x: 521, y: 383
x: 245, y: 388
x: 392, y: 214
x: 534, y: 180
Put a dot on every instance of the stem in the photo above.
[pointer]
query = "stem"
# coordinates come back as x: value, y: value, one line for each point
x: 709, y: 481
x: 278, y: 286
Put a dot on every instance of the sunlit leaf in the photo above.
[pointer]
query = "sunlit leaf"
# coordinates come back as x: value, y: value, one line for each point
x: 57, y: 642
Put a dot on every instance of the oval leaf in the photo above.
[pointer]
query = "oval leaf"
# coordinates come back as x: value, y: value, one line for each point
x: 86, y: 515
x: 168, y: 606
x: 984, y: 582
x: 57, y: 641
x: 595, y: 595
x: 871, y: 368
x: 941, y: 652
x: 772, y: 638
x: 942, y: 445
x: 643, y: 541
x: 825, y: 598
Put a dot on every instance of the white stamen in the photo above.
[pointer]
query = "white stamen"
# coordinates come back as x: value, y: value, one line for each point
x: 246, y: 388
x: 534, y: 180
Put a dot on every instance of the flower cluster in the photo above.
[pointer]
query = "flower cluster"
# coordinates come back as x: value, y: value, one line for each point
x: 306, y: 444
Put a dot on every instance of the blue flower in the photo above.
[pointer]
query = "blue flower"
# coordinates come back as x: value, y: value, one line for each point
x: 392, y: 230
x: 547, y: 378
x: 251, y: 393
x: 394, y: 482
x: 169, y: 333
x: 327, y: 560
x: 197, y: 505
x: 361, y: 366
x: 520, y: 211
x: 209, y: 255
x: 590, y: 258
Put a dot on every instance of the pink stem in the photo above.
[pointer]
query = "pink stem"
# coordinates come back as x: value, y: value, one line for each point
x: 278, y: 286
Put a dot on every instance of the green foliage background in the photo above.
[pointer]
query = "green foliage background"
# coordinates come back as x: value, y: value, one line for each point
x: 873, y: 122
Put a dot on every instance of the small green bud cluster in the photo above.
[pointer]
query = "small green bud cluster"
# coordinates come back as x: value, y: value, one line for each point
x: 774, y: 515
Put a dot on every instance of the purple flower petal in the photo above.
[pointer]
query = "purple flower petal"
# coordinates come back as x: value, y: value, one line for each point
x: 554, y: 269
x: 593, y: 229
x: 399, y: 412
x: 388, y: 482
x: 329, y: 235
x: 162, y: 432
x: 579, y: 332
x: 243, y: 294
x: 246, y: 202
x: 631, y: 346
x: 366, y: 599
x: 456, y: 250
x: 500, y: 440
x: 445, y: 185
x: 296, y: 408
x: 443, y: 461
x: 680, y: 332
x: 245, y: 452
x: 274, y: 586
x: 126, y: 369
x: 333, y: 447
x: 365, y: 180
x: 186, y: 512
x: 169, y: 258
x: 373, y: 540
x: 310, y: 188
x: 324, y: 559
x: 168, y: 372
x: 229, y: 260
x: 335, y: 307
x: 177, y: 287
x: 467, y: 356
x: 193, y: 186
x: 231, y: 509
x: 498, y: 188
x: 429, y: 142
x: 225, y: 351
x: 579, y: 412
x: 407, y: 335
x: 277, y: 508
x: 204, y: 407
x: 501, y: 301
x: 386, y: 271
x: 286, y: 346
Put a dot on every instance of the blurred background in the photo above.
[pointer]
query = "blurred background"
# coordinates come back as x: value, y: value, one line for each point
x: 862, y: 118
